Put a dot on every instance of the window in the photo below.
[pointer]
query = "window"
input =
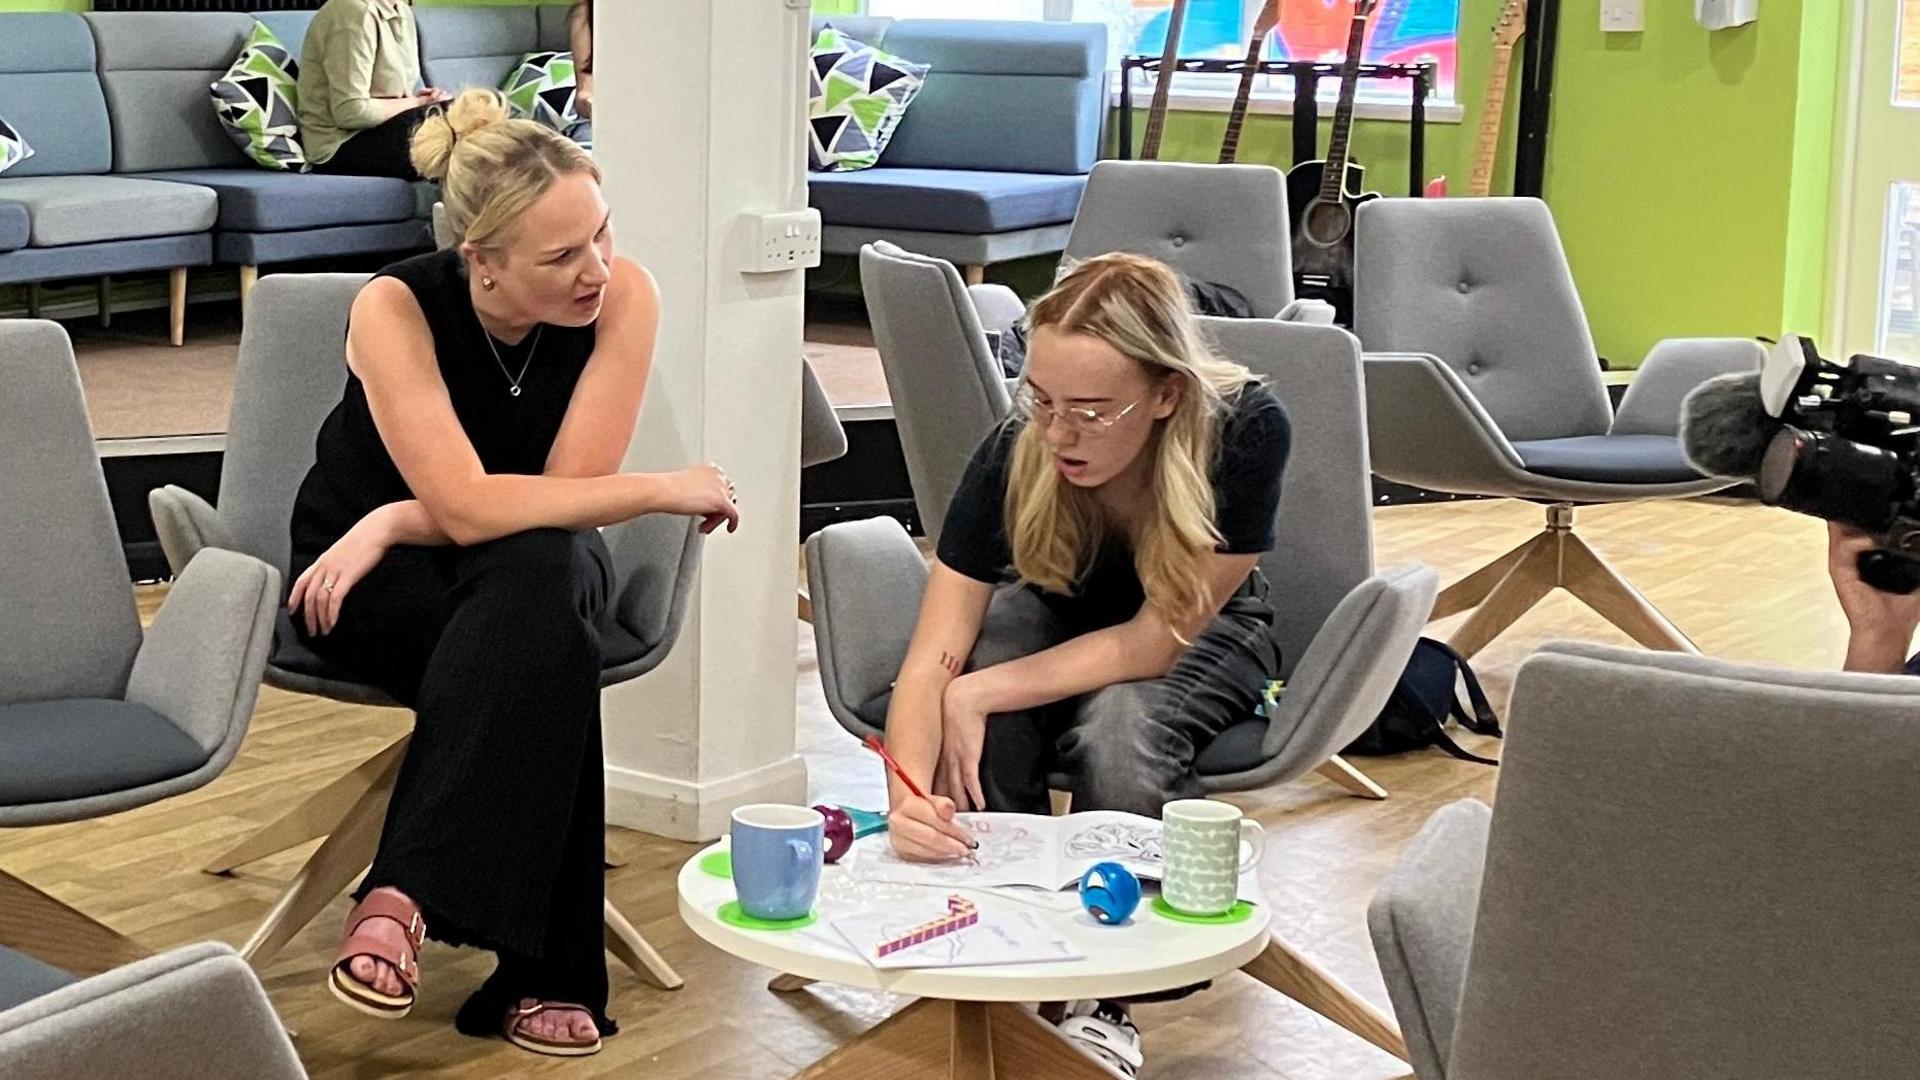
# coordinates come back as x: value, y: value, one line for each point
x: 1402, y: 31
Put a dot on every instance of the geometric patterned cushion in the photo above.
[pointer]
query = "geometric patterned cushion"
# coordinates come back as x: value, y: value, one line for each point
x: 257, y: 101
x: 542, y: 88
x: 13, y: 146
x: 856, y: 97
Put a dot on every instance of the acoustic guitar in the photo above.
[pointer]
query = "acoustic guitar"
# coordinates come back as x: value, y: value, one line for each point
x: 1322, y: 195
x: 1163, y: 84
x: 1263, y: 25
x: 1506, y: 34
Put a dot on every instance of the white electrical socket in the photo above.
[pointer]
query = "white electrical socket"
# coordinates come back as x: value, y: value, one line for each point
x: 1622, y: 16
x: 789, y: 240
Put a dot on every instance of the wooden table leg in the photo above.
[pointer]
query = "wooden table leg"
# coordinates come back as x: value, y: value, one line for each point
x: 970, y: 1055
x: 1026, y: 1047
x: 910, y: 1042
x: 1299, y: 978
x: 53, y: 933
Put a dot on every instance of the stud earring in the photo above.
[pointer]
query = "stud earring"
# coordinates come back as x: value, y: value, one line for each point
x: 486, y: 283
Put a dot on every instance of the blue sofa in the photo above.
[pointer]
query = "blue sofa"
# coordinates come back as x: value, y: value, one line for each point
x: 68, y: 211
x: 990, y: 160
x: 133, y: 173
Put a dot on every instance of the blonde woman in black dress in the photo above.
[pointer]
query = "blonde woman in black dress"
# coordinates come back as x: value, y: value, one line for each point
x: 446, y: 550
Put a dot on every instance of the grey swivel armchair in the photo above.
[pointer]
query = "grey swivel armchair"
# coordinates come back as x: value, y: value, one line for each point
x: 292, y: 366
x: 1225, y: 224
x: 193, y: 1013
x: 94, y: 718
x: 1345, y: 632
x: 1482, y: 380
x: 946, y: 386
x: 1613, y: 916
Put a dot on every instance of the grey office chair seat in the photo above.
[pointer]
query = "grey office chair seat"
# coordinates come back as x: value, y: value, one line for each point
x: 291, y: 371
x: 1224, y: 224
x: 1482, y: 380
x: 1609, y: 459
x: 86, y: 747
x: 1614, y: 916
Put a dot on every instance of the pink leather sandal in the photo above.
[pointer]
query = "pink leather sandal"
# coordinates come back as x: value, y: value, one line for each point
x: 405, y: 961
x: 527, y: 1041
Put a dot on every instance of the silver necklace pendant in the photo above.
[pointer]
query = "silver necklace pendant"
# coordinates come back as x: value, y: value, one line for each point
x: 513, y: 381
x: 514, y: 390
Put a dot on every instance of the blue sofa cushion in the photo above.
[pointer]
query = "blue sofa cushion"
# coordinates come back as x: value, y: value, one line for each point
x: 54, y: 751
x: 48, y: 88
x: 944, y: 200
x: 22, y: 978
x: 1003, y: 96
x: 1609, y: 459
x: 86, y: 209
x: 16, y: 226
x: 156, y: 67
x: 463, y: 47
x: 255, y: 200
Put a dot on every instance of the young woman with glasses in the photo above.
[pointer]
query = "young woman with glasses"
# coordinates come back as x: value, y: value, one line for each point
x: 1095, y: 608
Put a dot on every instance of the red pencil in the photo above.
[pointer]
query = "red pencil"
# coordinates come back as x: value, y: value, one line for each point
x: 873, y: 744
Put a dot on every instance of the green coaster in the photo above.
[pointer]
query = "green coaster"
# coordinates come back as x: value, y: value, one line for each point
x: 718, y: 863
x: 1241, y: 911
x: 731, y: 914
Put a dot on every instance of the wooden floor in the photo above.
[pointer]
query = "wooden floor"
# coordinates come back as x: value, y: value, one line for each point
x: 1744, y: 581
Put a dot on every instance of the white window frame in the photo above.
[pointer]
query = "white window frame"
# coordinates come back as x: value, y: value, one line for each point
x: 1264, y: 100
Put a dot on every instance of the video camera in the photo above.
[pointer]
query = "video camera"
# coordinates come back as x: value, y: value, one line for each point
x: 1847, y: 449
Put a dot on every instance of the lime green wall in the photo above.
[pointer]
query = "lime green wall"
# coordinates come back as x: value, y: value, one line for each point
x: 1686, y: 170
x: 836, y: 7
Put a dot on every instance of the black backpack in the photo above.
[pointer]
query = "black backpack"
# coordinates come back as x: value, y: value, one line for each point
x: 1416, y: 715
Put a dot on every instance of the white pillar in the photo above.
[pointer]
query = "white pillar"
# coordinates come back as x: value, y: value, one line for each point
x: 697, y: 126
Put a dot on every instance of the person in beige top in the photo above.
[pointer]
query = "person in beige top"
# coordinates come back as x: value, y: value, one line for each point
x: 358, y: 70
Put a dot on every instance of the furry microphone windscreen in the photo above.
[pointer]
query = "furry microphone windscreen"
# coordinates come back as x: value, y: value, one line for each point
x: 1725, y: 427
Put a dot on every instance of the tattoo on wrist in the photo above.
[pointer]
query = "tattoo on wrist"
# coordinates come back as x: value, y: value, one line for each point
x: 950, y: 662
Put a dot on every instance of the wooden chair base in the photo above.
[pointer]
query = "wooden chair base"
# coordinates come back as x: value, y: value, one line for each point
x: 349, y: 813
x: 53, y: 933
x: 1501, y: 592
x: 1284, y: 969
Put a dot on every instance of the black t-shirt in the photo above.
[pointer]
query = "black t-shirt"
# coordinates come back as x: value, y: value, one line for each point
x: 1250, y: 456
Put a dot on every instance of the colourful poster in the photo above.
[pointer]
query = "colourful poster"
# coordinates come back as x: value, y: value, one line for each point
x: 1400, y: 32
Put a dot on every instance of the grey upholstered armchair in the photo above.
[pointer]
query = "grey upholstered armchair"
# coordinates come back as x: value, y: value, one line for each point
x: 194, y: 1013
x: 94, y: 718
x: 1482, y: 380
x: 1345, y: 632
x: 292, y: 366
x: 1614, y: 916
x: 1224, y: 224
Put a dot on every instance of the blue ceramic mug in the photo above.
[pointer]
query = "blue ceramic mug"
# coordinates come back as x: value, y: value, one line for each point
x: 777, y: 854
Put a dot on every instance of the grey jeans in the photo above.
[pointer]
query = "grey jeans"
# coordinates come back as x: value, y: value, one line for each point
x: 1129, y: 746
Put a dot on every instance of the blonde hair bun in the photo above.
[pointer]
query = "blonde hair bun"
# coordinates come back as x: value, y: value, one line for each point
x: 469, y: 114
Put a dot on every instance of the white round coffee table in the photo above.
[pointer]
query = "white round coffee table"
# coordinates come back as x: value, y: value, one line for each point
x: 972, y: 1017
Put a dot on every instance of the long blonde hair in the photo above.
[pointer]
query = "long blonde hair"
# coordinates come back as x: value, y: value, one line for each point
x: 491, y: 167
x: 1139, y: 307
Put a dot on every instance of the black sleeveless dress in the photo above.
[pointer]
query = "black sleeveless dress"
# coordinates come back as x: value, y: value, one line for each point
x: 353, y: 474
x: 497, y: 826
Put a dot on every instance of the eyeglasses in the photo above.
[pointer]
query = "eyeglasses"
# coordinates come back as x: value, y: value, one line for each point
x: 1078, y: 418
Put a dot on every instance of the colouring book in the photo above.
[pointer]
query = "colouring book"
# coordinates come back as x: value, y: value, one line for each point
x: 999, y: 937
x: 1027, y: 849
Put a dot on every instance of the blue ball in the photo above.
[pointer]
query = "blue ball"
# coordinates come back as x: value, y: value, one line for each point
x: 1109, y: 892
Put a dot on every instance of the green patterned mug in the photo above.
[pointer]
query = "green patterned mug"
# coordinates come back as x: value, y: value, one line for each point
x: 1201, y: 843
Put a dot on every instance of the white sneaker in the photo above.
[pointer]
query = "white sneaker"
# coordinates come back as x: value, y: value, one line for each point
x: 1106, y: 1034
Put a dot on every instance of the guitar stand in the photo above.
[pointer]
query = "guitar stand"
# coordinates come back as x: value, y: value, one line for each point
x: 1306, y: 103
